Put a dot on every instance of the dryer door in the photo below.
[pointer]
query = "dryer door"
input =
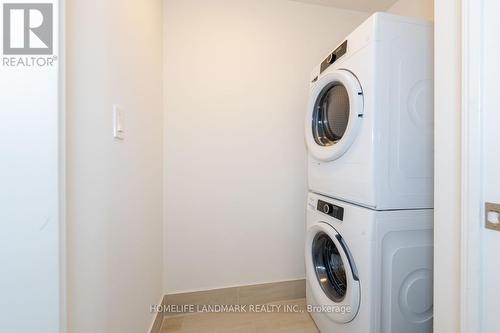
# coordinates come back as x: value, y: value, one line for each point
x: 332, y: 273
x: 334, y: 115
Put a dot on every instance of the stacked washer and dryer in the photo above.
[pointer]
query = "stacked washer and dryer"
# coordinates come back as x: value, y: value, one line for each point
x: 369, y: 132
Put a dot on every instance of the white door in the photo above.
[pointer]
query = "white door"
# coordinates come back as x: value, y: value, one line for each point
x: 30, y: 257
x: 331, y: 270
x: 334, y: 115
x: 491, y: 167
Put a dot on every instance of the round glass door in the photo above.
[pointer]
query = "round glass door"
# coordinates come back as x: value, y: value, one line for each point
x: 334, y: 115
x: 331, y: 115
x: 329, y: 267
x: 331, y: 273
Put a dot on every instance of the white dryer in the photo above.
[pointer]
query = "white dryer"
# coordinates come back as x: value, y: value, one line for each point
x: 369, y: 125
x: 368, y: 271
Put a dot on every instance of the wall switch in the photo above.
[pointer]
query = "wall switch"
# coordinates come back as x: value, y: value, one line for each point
x: 118, y: 132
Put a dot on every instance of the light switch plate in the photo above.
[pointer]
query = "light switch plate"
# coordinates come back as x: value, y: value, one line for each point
x: 492, y: 216
x: 118, y: 132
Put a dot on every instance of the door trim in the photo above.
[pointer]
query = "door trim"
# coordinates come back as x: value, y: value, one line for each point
x: 471, y: 166
x: 63, y: 284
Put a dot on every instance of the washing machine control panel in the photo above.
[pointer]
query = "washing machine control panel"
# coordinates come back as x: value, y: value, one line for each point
x: 331, y: 210
x: 334, y: 56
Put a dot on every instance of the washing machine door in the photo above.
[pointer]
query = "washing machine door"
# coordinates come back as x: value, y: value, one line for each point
x: 334, y: 115
x: 332, y: 273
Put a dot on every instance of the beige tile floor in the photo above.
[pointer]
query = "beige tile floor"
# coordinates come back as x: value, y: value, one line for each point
x: 275, y: 322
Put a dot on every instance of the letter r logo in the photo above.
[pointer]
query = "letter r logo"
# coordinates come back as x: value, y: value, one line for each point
x: 28, y: 28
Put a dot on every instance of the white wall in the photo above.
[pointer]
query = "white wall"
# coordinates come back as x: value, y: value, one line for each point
x: 236, y: 76
x: 29, y: 196
x: 447, y: 212
x: 114, y: 188
x: 418, y: 8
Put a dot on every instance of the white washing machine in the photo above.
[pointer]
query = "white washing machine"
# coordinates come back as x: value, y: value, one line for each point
x: 368, y: 271
x: 369, y: 126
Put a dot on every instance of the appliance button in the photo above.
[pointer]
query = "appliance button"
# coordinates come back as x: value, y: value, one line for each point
x: 326, y: 209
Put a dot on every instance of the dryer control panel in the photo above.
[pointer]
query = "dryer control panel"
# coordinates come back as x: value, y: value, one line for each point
x: 331, y: 209
x: 334, y: 56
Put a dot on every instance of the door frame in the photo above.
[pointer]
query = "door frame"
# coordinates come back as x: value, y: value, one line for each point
x: 471, y: 168
x: 63, y: 288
